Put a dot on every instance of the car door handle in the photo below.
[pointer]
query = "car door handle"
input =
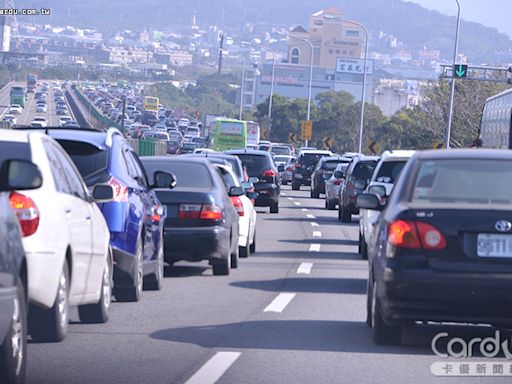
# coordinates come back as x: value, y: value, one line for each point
x: 88, y: 218
x: 67, y: 210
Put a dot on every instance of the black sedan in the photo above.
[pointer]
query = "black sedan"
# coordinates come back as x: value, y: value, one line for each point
x: 201, y: 222
x: 14, y: 175
x: 259, y: 164
x: 442, y: 248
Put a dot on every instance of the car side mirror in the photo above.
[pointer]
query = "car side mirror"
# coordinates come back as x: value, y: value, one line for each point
x: 247, y: 185
x: 253, y: 180
x: 19, y: 175
x: 368, y: 201
x: 252, y: 195
x: 378, y: 190
x: 164, y: 180
x: 339, y: 175
x: 102, y: 193
x: 280, y: 168
x: 236, y: 191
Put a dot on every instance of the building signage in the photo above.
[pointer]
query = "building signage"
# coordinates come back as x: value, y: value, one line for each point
x: 354, y: 66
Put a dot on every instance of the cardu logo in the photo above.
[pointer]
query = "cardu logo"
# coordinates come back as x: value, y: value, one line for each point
x: 457, y: 347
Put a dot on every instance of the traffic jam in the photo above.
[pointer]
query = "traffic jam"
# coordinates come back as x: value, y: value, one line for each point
x: 86, y: 221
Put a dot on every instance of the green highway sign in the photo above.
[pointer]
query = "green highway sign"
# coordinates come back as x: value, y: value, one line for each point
x: 460, y: 71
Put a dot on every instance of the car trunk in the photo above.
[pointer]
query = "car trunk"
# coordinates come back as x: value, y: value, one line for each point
x: 473, y: 242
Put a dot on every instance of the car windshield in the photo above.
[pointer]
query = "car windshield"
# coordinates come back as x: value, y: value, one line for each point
x: 255, y: 164
x: 463, y: 181
x: 389, y: 171
x: 188, y: 174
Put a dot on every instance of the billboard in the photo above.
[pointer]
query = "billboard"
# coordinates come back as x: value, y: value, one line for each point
x: 353, y: 66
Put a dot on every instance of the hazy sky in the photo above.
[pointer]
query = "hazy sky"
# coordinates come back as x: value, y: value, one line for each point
x: 492, y: 13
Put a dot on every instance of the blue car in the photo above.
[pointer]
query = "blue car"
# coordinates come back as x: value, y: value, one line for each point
x: 134, y: 217
x: 14, y: 175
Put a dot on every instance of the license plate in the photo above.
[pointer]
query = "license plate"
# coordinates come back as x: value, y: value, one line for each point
x: 493, y: 245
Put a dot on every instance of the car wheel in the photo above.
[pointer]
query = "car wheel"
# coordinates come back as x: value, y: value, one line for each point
x: 99, y: 312
x: 234, y: 257
x: 51, y: 325
x: 364, y: 249
x: 369, y: 292
x: 315, y: 194
x: 359, y: 243
x: 252, y: 248
x: 274, y: 208
x: 134, y: 292
x: 295, y: 187
x: 153, y: 282
x: 346, y: 216
x: 330, y: 205
x: 339, y: 212
x: 382, y: 334
x: 13, y: 351
x: 284, y: 182
x: 222, y: 267
x: 245, y: 251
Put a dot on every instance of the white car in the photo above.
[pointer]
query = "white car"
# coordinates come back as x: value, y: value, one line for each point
x: 66, y: 238
x: 11, y: 118
x: 40, y: 119
x: 41, y: 108
x: 63, y: 120
x: 333, y: 185
x: 381, y: 183
x: 246, y: 211
x: 16, y: 109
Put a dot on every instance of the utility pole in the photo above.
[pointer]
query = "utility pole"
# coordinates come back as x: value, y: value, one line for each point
x: 221, y: 47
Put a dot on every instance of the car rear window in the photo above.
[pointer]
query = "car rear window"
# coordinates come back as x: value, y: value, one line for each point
x: 280, y: 150
x: 255, y: 164
x: 14, y: 150
x: 364, y: 169
x: 89, y: 160
x: 311, y: 158
x: 390, y: 170
x: 331, y: 164
x: 188, y: 174
x: 281, y: 159
x: 227, y: 179
x: 464, y: 181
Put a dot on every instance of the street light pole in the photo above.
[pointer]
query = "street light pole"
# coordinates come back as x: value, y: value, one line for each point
x: 271, y: 89
x: 365, y: 71
x: 310, y: 78
x: 242, y: 90
x: 452, y: 90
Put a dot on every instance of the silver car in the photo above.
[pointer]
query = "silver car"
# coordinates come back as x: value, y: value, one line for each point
x: 333, y: 186
x: 287, y: 174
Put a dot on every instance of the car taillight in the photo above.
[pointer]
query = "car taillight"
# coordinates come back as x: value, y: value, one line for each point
x: 297, y: 165
x: 189, y: 211
x: 338, y: 181
x: 120, y: 191
x: 415, y: 235
x: 269, y: 173
x: 289, y: 169
x: 211, y: 212
x: 27, y: 212
x: 237, y: 203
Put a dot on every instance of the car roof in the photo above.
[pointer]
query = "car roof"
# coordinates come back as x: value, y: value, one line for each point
x: 319, y: 151
x: 397, y: 154
x: 251, y: 152
x: 95, y: 138
x: 15, y: 136
x: 465, y: 153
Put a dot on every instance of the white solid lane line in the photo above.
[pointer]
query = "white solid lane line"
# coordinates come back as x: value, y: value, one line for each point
x: 305, y: 268
x: 297, y: 203
x: 317, y: 234
x: 313, y: 224
x: 310, y: 216
x: 314, y: 248
x: 214, y: 368
x: 280, y: 302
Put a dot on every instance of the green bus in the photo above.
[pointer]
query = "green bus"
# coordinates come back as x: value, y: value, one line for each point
x: 227, y: 134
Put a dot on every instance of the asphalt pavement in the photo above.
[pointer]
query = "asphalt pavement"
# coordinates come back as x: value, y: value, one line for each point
x: 294, y: 312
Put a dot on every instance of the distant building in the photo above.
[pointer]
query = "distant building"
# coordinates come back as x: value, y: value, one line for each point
x: 392, y: 95
x: 331, y: 39
x: 180, y: 58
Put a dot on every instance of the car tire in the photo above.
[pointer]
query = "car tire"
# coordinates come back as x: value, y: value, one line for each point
x: 234, y: 257
x: 295, y: 187
x: 221, y: 268
x: 346, y: 216
x: 330, y: 205
x: 252, y: 248
x: 13, y: 351
x: 314, y: 193
x: 284, y: 182
x: 359, y: 243
x: 51, y: 325
x: 364, y: 249
x: 382, y: 334
x: 153, y: 282
x: 99, y: 312
x: 274, y: 208
x: 134, y: 292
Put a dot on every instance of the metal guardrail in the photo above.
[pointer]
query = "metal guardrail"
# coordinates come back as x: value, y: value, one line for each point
x: 77, y: 112
x: 102, y: 119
